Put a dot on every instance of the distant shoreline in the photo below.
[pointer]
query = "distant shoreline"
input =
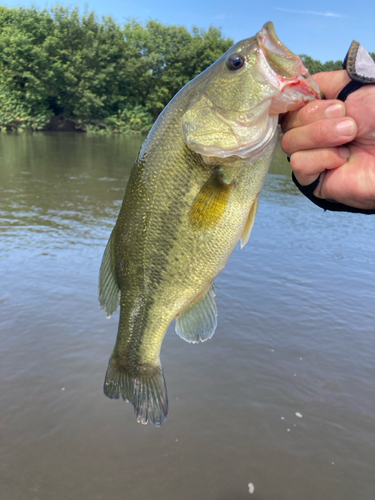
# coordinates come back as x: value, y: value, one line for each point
x: 61, y: 124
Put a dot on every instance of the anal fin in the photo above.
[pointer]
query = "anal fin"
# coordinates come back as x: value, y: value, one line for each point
x: 249, y: 222
x: 199, y: 321
x: 109, y: 291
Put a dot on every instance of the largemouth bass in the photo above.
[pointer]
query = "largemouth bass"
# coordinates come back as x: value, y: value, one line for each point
x: 192, y: 195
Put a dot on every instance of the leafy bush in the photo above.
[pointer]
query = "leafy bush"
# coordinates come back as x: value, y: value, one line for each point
x: 315, y: 66
x: 95, y: 72
x: 130, y: 119
x: 16, y: 115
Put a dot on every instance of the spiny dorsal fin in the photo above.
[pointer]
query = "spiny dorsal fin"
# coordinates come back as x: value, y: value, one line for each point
x: 109, y: 291
x: 249, y: 222
x: 199, y: 321
x: 211, y: 202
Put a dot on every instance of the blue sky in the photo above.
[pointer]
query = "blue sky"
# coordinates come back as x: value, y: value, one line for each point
x: 322, y: 29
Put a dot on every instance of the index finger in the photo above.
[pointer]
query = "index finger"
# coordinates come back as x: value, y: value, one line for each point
x: 312, y: 112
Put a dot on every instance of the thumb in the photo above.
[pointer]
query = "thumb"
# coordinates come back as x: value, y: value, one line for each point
x: 331, y: 82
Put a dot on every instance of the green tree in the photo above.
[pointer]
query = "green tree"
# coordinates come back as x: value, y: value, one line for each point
x: 165, y: 58
x: 96, y: 72
x: 315, y: 66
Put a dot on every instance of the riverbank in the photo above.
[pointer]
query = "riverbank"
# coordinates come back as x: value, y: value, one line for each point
x: 113, y: 125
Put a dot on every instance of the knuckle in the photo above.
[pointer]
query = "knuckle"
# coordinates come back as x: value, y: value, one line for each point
x: 318, y: 133
x: 286, y: 143
x: 326, y: 157
x: 297, y: 163
x: 311, y: 112
x: 289, y: 121
x: 307, y: 112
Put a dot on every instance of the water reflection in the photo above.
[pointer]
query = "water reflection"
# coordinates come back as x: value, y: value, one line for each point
x: 61, y: 185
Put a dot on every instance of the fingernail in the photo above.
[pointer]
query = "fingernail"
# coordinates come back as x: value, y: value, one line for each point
x: 345, y: 128
x: 344, y: 152
x: 335, y: 111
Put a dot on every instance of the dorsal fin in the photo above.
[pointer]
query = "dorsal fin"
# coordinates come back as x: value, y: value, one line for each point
x: 249, y: 222
x: 199, y: 321
x: 109, y: 290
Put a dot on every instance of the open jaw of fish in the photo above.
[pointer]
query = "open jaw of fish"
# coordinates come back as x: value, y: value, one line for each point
x: 287, y: 85
x: 192, y: 195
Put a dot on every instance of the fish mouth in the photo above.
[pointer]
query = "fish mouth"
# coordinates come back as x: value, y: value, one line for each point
x: 285, y: 71
x: 285, y: 62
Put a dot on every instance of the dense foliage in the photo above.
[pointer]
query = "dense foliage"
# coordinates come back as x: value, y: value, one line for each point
x: 96, y: 73
x: 315, y: 66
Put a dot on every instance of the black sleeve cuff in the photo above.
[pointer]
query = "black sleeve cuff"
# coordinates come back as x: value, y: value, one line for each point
x: 360, y: 74
x: 333, y: 206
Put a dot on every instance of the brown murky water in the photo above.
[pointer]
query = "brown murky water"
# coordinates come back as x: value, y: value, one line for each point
x: 296, y: 336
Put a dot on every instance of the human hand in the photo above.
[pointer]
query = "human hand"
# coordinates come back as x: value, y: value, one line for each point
x: 335, y: 140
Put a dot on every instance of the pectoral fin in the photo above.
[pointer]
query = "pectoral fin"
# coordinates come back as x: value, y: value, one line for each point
x: 199, y: 321
x: 249, y: 222
x: 211, y: 202
x: 109, y: 291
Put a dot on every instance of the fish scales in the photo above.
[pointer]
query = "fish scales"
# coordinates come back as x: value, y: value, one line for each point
x: 168, y: 239
x: 192, y: 195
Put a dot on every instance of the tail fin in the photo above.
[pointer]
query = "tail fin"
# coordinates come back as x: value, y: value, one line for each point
x: 146, y: 391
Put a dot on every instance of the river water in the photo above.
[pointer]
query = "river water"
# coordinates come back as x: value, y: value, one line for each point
x: 282, y: 397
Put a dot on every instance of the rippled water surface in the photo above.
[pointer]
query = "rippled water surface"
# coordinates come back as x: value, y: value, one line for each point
x: 296, y: 336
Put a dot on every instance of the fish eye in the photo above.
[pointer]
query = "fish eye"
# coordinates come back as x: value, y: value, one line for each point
x: 235, y: 61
